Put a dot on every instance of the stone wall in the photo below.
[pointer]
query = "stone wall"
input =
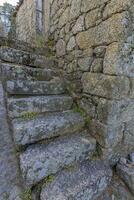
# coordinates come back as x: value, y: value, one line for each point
x: 94, y: 45
x: 26, y: 21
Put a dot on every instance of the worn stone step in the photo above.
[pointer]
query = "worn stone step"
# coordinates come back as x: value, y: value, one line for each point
x: 15, y: 71
x: 25, y: 58
x: 18, y: 107
x: 86, y: 181
x: 26, y: 87
x: 28, y: 131
x: 40, y: 161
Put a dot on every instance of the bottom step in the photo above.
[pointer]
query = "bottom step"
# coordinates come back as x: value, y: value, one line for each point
x: 85, y: 182
x: 40, y: 161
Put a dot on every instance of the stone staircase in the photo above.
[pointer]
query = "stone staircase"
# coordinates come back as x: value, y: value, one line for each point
x: 48, y: 134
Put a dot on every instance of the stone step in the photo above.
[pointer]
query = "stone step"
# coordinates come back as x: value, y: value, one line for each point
x: 14, y: 71
x: 25, y: 58
x: 40, y: 161
x: 26, y: 87
x: 28, y: 130
x: 86, y: 181
x: 18, y: 107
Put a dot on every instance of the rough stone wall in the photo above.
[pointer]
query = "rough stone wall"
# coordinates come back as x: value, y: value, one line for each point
x: 26, y: 21
x: 94, y: 45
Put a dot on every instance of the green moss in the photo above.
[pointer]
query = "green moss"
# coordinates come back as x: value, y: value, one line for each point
x: 83, y: 114
x: 49, y: 179
x: 6, y: 196
x: 28, y: 115
x: 26, y: 194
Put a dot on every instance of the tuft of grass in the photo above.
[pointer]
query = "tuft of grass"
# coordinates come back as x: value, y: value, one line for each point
x: 83, y: 114
x: 49, y: 179
x: 26, y: 194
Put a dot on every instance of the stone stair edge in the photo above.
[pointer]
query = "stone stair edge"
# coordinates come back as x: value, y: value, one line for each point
x: 62, y: 152
x: 46, y: 126
x: 18, y: 44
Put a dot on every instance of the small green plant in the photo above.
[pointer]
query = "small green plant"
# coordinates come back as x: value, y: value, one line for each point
x: 49, y: 179
x: 6, y: 196
x: 28, y: 115
x: 83, y: 114
x: 26, y: 194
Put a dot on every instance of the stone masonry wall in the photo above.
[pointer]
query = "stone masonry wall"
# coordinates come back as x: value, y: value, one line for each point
x: 26, y: 21
x: 94, y: 45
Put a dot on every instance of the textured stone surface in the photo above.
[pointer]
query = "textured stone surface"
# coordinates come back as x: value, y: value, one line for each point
x: 14, y: 71
x: 115, y: 7
x: 40, y: 161
x: 105, y: 86
x: 60, y: 48
x: 79, y: 25
x: 97, y: 65
x: 85, y: 182
x: 85, y: 63
x: 9, y: 173
x: 20, y: 106
x: 71, y: 44
x: 117, y: 191
x: 35, y: 87
x: 64, y: 18
x: 126, y: 172
x: 112, y: 121
x: 25, y: 58
x: 113, y: 29
x: 91, y: 18
x: 28, y: 131
x: 90, y: 5
x: 75, y: 8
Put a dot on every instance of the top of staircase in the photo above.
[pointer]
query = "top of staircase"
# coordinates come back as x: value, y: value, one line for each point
x: 23, y: 46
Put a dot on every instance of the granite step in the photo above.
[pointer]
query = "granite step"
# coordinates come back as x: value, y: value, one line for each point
x: 10, y: 71
x: 21, y: 87
x: 27, y: 131
x: 40, y: 161
x: 86, y: 181
x: 18, y: 107
x: 12, y: 55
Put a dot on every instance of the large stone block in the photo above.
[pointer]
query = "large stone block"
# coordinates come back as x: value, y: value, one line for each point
x: 91, y: 4
x: 111, y: 87
x: 18, y: 107
x: 119, y: 59
x: 92, y: 17
x: 64, y: 17
x: 27, y: 131
x: 14, y: 71
x: 86, y: 181
x: 79, y: 25
x: 111, y: 59
x: 60, y: 48
x: 35, y: 87
x: 116, y: 6
x: 75, y: 9
x: 112, y: 121
x: 110, y: 30
x: 40, y: 161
